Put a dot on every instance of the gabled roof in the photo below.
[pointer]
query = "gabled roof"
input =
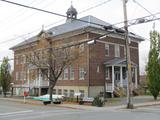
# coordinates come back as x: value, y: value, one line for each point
x: 72, y: 26
x: 117, y: 61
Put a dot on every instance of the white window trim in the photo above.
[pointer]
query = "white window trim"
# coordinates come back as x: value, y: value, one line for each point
x: 81, y: 71
x: 65, y: 72
x: 17, y: 76
x: 81, y: 48
x: 117, y: 50
x: 71, y: 72
x: 106, y: 47
x: 107, y: 72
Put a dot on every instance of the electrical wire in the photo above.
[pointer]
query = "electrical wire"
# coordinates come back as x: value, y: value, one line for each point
x: 144, y: 8
x: 12, y: 39
x: 132, y: 22
x: 45, y: 11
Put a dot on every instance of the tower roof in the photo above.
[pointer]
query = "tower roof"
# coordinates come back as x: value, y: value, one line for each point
x: 71, y: 10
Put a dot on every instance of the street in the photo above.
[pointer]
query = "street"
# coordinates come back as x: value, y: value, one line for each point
x: 19, y: 111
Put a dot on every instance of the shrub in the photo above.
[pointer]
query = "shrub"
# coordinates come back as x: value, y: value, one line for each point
x: 97, y: 102
x: 81, y: 102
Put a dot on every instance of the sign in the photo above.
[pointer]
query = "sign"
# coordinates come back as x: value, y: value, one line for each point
x: 25, y: 93
x: 77, y: 94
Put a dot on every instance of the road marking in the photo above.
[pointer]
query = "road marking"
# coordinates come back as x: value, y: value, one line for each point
x: 13, y: 113
x: 49, y: 114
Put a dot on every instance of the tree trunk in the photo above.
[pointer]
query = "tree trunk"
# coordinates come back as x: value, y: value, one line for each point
x: 50, y: 93
x: 51, y: 86
x: 4, y: 93
x: 155, y: 97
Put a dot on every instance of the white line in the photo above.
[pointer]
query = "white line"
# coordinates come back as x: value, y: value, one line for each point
x: 19, y: 112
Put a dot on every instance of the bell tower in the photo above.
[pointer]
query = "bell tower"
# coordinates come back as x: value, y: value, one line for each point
x: 71, y: 14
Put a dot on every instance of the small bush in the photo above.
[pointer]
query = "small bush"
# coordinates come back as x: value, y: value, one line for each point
x: 97, y: 102
x: 81, y: 102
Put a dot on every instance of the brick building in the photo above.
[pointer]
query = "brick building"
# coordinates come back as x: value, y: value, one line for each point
x: 102, y: 67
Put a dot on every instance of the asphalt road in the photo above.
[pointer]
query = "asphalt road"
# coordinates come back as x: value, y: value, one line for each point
x: 17, y: 111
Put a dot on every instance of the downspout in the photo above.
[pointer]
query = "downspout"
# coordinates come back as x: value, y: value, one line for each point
x: 88, y: 66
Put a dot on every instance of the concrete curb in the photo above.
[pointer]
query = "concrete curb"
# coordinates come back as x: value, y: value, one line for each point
x: 81, y: 107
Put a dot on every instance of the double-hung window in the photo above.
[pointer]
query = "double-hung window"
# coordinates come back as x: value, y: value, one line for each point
x: 107, y: 73
x: 71, y: 72
x: 106, y: 49
x: 81, y: 73
x: 117, y: 51
x: 65, y: 74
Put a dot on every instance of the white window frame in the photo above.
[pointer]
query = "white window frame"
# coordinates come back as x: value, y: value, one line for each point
x: 117, y: 50
x: 71, y: 75
x: 71, y: 93
x: 81, y: 73
x: 17, y: 76
x: 82, y: 93
x: 24, y: 75
x: 65, y: 74
x: 65, y: 92
x: 59, y: 91
x: 106, y: 48
x: 54, y: 91
x: 81, y: 47
x: 24, y: 59
x: 107, y: 73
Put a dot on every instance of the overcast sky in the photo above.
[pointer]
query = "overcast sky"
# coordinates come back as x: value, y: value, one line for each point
x: 18, y: 23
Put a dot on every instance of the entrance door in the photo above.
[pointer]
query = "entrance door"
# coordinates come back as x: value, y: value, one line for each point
x: 117, y: 76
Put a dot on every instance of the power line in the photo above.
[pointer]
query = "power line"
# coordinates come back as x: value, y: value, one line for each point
x: 96, y: 6
x: 144, y: 8
x: 136, y: 21
x: 23, y: 19
x: 18, y: 13
x: 12, y: 39
x: 131, y: 22
x: 118, y: 30
x: 42, y: 10
x: 63, y: 19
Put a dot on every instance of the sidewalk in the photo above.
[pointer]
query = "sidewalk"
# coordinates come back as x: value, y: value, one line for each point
x: 118, y: 105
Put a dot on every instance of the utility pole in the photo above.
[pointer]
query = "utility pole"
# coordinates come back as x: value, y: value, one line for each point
x: 128, y: 60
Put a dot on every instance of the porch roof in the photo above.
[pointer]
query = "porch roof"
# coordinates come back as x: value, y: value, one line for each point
x: 118, y: 62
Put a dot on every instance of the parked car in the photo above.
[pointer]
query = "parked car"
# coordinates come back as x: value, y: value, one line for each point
x: 57, y: 99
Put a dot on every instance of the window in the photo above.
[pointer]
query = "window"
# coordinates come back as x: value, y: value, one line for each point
x: 65, y: 93
x: 60, y: 77
x: 71, y: 72
x: 17, y: 76
x: 21, y: 75
x: 71, y: 93
x: 82, y: 93
x: 124, y: 52
x: 81, y: 48
x: 24, y: 59
x: 59, y: 92
x: 24, y: 75
x: 16, y: 60
x: 98, y: 69
x: 65, y: 74
x: 106, y: 50
x: 54, y: 91
x: 107, y: 73
x: 117, y: 51
x: 81, y: 73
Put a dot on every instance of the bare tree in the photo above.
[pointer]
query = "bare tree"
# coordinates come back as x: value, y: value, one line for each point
x: 53, y: 60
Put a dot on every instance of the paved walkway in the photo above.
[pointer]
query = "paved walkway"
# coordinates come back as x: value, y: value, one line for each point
x: 140, y: 101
